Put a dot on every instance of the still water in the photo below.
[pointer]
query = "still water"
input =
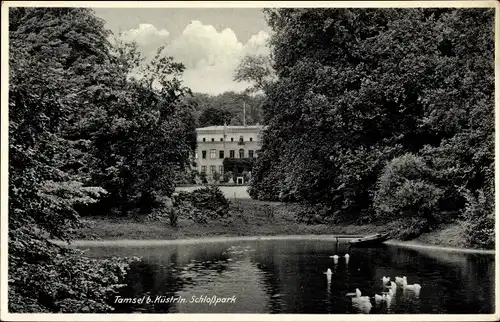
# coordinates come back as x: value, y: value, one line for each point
x: 288, y: 276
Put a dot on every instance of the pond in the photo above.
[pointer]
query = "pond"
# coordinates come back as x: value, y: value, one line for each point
x: 288, y: 276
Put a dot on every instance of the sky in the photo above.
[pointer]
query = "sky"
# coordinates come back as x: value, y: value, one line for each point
x: 209, y: 42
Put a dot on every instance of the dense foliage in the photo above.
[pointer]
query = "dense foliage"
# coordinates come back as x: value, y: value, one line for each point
x: 382, y: 114
x: 82, y: 132
x: 202, y: 205
x: 226, y: 107
x: 145, y: 141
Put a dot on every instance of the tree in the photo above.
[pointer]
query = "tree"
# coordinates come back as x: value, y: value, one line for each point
x: 357, y: 88
x: 83, y: 132
x: 257, y: 70
x: 225, y: 107
x: 214, y: 116
x: 62, y: 77
x: 147, y: 140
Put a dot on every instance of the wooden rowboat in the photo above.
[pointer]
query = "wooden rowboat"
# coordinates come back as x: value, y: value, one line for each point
x: 369, y: 241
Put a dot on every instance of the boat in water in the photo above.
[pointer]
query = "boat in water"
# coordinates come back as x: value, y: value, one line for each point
x: 369, y: 241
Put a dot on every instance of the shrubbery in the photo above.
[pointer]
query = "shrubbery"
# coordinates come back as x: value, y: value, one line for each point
x: 408, y: 228
x: 479, y: 220
x: 202, y: 204
x: 405, y: 190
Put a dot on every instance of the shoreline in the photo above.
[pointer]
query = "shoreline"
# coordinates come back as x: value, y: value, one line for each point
x: 221, y: 239
x: 417, y: 245
x: 251, y: 220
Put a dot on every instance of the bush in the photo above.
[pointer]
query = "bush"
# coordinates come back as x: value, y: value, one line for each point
x: 173, y: 217
x: 409, y: 228
x: 479, y: 223
x: 216, y: 176
x: 405, y: 190
x: 227, y: 176
x: 187, y: 210
x: 209, y: 200
x: 162, y: 211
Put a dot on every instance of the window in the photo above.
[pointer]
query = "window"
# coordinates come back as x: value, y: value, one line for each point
x: 241, y: 138
x: 232, y: 139
x: 204, y: 140
x: 241, y: 153
x: 221, y: 169
x: 203, y: 169
x: 213, y: 139
x: 221, y: 154
x: 204, y: 154
x: 221, y: 139
x: 250, y: 153
x: 212, y: 154
x: 212, y: 169
x: 231, y: 153
x: 251, y: 139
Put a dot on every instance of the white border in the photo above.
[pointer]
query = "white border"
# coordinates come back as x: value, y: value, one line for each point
x: 228, y: 317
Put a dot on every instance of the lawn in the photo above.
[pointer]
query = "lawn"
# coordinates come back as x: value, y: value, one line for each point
x: 247, y: 218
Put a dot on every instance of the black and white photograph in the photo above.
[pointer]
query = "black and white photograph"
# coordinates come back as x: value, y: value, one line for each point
x: 274, y: 160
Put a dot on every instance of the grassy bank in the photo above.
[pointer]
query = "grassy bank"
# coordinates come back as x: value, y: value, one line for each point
x: 248, y: 218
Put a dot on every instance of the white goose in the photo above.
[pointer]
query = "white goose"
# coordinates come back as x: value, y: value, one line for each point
x: 346, y: 256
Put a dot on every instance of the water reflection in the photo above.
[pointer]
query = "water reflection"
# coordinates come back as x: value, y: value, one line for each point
x: 289, y: 277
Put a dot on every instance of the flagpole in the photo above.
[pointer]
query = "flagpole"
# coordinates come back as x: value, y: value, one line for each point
x: 244, y: 115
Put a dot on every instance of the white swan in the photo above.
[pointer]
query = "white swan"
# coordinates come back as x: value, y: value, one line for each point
x: 399, y: 280
x: 386, y: 280
x: 335, y: 256
x: 392, y: 289
x: 362, y: 303
x: 346, y: 256
x: 414, y: 287
x: 328, y: 275
x: 388, y: 299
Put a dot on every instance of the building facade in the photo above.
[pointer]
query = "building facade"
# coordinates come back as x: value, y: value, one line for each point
x: 215, y: 143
